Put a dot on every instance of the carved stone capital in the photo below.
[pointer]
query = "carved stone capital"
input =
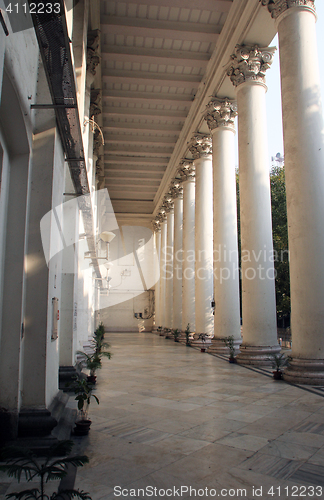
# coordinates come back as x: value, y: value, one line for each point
x: 156, y: 225
x: 250, y: 63
x: 161, y: 216
x: 278, y: 7
x: 95, y: 102
x: 200, y: 146
x: 186, y: 171
x: 93, y: 57
x: 167, y: 204
x: 176, y: 189
x: 220, y: 113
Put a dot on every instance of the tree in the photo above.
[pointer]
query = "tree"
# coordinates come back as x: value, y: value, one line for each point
x: 280, y: 239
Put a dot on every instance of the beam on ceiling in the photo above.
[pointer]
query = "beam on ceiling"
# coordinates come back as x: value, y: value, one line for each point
x: 138, y: 169
x: 145, y: 96
x: 181, y: 58
x: 151, y: 28
x: 151, y: 176
x: 141, y: 126
x: 112, y: 73
x: 135, y: 79
x: 136, y: 159
x: 140, y: 138
x: 168, y: 113
x: 210, y: 5
x: 133, y: 149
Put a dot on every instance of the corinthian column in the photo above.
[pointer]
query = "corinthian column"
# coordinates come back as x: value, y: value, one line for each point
x: 201, y: 149
x: 177, y: 194
x: 247, y: 73
x: 169, y: 265
x: 304, y: 169
x: 157, y: 233
x: 187, y: 173
x: 163, y: 268
x: 220, y: 117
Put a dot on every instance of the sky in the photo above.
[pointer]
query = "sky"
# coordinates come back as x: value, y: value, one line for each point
x: 273, y: 97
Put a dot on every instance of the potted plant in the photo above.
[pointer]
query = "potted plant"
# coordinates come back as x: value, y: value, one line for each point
x: 51, y: 466
x: 229, y: 342
x: 168, y: 333
x: 176, y: 334
x: 93, y: 361
x: 187, y: 333
x: 278, y: 361
x: 160, y: 330
x: 202, y: 338
x: 83, y: 394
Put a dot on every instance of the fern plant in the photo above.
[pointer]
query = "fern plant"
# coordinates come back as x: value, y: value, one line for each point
x: 21, y: 462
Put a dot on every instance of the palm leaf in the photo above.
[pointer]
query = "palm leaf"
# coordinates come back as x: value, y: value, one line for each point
x: 25, y: 494
x: 83, y: 495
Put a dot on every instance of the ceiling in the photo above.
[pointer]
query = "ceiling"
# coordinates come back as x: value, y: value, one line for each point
x: 154, y: 56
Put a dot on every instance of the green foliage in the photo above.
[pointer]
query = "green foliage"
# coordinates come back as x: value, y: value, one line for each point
x: 280, y: 239
x: 21, y: 461
x: 83, y: 391
x: 176, y: 334
x: 279, y: 361
x: 187, y: 332
x: 229, y: 342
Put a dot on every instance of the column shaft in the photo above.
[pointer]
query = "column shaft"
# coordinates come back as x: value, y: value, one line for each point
x: 258, y: 286
x: 158, y: 282
x: 304, y: 161
x: 204, y: 245
x: 177, y: 263
x: 163, y: 272
x: 226, y: 270
x: 188, y: 270
x: 169, y: 270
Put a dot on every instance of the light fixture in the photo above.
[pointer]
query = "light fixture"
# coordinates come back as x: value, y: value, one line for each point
x: 107, y: 236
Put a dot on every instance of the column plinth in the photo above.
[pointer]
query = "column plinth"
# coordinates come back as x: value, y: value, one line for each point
x: 304, y: 160
x: 247, y: 73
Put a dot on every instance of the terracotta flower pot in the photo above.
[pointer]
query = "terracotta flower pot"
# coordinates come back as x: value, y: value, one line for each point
x: 277, y: 375
x: 82, y: 427
x: 92, y: 379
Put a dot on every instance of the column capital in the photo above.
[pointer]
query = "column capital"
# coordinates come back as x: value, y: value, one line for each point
x: 167, y: 204
x: 200, y: 146
x: 250, y: 63
x: 278, y: 7
x: 176, y: 189
x: 186, y: 170
x: 220, y: 113
x: 156, y: 225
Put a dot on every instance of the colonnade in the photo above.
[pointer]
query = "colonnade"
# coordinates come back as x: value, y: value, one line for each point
x: 208, y: 231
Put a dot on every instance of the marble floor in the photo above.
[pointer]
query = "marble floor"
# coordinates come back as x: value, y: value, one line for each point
x: 173, y: 418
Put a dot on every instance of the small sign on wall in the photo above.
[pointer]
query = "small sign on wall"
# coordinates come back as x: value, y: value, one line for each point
x: 55, y: 317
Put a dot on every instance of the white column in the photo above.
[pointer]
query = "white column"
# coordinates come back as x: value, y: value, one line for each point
x: 162, y: 272
x: 258, y: 285
x: 188, y: 268
x: 201, y: 149
x: 158, y: 282
x: 177, y: 258
x: 169, y: 269
x: 220, y: 119
x: 304, y: 169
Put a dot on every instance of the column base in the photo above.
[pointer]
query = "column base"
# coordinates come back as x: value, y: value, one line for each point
x: 305, y: 371
x: 35, y: 423
x: 67, y: 375
x: 8, y: 426
x: 257, y: 355
x: 201, y: 344
x: 218, y: 347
